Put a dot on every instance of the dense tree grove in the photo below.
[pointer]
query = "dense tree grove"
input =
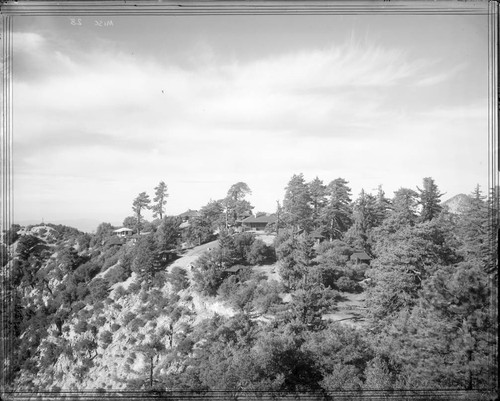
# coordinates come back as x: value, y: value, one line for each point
x: 428, y: 275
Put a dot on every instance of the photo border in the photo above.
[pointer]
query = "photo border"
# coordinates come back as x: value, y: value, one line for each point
x: 12, y: 9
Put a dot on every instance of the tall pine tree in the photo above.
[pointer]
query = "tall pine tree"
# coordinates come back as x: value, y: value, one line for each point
x: 365, y: 219
x: 337, y: 214
x: 297, y: 212
x: 429, y: 200
x: 235, y: 203
x: 160, y: 200
x: 140, y: 203
x: 317, y: 191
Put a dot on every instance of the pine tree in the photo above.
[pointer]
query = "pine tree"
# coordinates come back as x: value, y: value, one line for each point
x: 235, y: 204
x: 405, y: 204
x: 160, y: 200
x: 297, y: 212
x: 140, y: 203
x: 337, y: 214
x: 429, y: 200
x: 317, y: 191
x: 405, y: 259
x: 168, y: 233
x: 213, y: 212
x: 365, y: 219
x: 383, y: 206
x: 145, y: 263
x: 474, y: 226
x: 286, y: 245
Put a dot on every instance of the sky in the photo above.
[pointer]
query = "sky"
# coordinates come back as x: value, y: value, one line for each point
x: 102, y: 113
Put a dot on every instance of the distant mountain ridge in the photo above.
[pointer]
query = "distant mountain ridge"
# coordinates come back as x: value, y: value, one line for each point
x: 457, y: 203
x: 85, y: 225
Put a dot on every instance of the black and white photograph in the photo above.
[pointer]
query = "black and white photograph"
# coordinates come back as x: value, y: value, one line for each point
x: 249, y: 199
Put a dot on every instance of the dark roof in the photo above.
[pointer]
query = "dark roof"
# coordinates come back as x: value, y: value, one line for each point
x: 260, y: 219
x: 360, y: 256
x: 234, y: 269
x: 189, y: 213
x: 167, y: 251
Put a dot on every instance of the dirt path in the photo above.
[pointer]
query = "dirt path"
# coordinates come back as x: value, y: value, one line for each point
x: 350, y: 310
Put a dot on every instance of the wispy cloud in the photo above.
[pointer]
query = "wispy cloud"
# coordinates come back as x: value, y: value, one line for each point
x: 441, y: 76
x: 108, y: 117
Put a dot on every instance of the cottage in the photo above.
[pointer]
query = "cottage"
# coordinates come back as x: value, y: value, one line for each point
x: 188, y: 214
x: 163, y: 258
x: 257, y: 223
x: 167, y: 256
x: 360, y: 257
x: 235, y: 269
x: 124, y: 232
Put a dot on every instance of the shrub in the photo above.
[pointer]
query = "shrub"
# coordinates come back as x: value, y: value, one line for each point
x: 239, y: 295
x: 81, y: 326
x: 126, y: 263
x: 99, y: 289
x: 115, y: 327
x: 94, y: 330
x: 260, y: 253
x: 185, y: 346
x: 228, y: 287
x: 177, y: 313
x: 143, y: 296
x: 178, y: 279
x: 115, y: 275
x: 136, y: 324
x: 86, y: 271
x: 110, y: 257
x: 346, y: 284
x: 85, y: 314
x: 209, y: 271
x: 98, y: 307
x: 134, y: 288
x: 266, y: 295
x: 106, y: 338
x: 120, y: 291
x: 128, y: 318
x: 150, y: 315
x: 159, y: 279
x: 78, y: 306
x: 243, y: 298
x: 240, y: 246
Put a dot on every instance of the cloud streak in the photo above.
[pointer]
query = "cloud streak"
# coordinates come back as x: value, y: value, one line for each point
x: 107, y: 117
